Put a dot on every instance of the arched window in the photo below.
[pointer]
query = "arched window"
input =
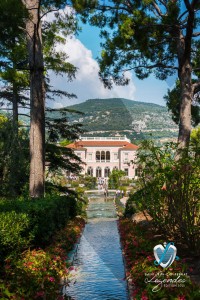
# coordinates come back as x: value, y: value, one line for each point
x: 107, y: 172
x: 115, y: 168
x: 98, y: 156
x: 103, y: 155
x: 107, y: 155
x: 90, y: 171
x: 98, y: 172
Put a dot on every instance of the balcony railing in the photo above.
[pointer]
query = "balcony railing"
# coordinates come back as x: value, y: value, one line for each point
x: 100, y: 138
x: 102, y: 160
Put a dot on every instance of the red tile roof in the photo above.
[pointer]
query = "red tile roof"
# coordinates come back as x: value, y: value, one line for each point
x: 123, y: 144
x: 130, y: 147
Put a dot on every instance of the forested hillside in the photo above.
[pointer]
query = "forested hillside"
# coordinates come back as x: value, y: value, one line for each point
x: 137, y: 120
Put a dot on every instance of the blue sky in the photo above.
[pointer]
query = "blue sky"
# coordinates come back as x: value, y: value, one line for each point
x: 83, y: 50
x: 148, y: 90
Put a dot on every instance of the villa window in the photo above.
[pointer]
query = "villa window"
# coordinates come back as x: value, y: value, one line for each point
x: 90, y: 171
x: 125, y: 156
x: 103, y: 156
x: 98, y: 156
x: 107, y: 172
x: 89, y: 156
x: 107, y: 155
x: 98, y: 172
x: 115, y: 156
x: 126, y: 172
x: 115, y: 168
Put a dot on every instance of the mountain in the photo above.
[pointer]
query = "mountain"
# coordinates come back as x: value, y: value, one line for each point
x: 137, y: 120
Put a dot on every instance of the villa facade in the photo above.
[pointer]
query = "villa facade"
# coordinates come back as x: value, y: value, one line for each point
x: 101, y: 155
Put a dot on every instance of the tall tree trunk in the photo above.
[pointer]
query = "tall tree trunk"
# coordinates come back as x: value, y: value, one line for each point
x: 184, y: 47
x: 15, y: 110
x: 185, y: 108
x: 15, y: 144
x: 37, y: 99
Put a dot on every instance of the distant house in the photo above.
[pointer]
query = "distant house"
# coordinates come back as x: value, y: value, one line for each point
x: 101, y: 155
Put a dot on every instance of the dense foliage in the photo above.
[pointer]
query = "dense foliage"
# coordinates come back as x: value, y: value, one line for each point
x: 42, y: 273
x: 24, y: 223
x: 28, y: 53
x: 115, y: 179
x: 88, y: 181
x: 13, y: 153
x: 173, y: 103
x: 169, y: 191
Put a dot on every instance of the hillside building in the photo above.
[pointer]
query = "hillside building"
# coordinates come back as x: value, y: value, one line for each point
x: 101, y: 155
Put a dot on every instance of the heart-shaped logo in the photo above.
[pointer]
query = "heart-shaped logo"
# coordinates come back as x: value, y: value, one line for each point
x: 165, y: 255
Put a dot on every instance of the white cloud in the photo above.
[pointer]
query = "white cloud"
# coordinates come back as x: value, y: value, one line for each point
x: 87, y: 84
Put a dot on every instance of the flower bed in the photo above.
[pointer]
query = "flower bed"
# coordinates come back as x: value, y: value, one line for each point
x: 37, y: 273
x: 141, y: 272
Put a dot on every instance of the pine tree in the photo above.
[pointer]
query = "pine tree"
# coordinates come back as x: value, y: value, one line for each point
x: 150, y: 37
x: 33, y: 67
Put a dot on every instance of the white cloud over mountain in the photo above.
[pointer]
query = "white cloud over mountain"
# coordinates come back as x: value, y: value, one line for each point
x: 87, y: 84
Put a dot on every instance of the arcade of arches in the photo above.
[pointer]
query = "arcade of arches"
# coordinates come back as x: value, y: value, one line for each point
x: 102, y: 156
x: 100, y: 172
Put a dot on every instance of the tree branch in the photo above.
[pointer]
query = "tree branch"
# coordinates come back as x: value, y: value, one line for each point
x: 163, y: 3
x: 157, y: 8
x: 158, y: 65
x: 24, y: 115
x: 196, y: 86
x: 25, y: 31
x: 110, y: 8
x: 188, y: 5
x: 49, y: 11
x: 196, y: 34
x: 185, y: 12
x: 189, y: 31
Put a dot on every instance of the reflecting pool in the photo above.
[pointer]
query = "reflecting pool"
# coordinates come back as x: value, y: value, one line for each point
x: 100, y: 269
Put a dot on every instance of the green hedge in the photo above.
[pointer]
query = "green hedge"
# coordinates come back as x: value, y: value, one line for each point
x: 26, y: 223
x: 12, y: 232
x: 132, y: 203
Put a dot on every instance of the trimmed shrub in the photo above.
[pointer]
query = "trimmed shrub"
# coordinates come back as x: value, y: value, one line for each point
x: 130, y: 208
x: 13, y: 232
x: 90, y: 182
x: 24, y: 223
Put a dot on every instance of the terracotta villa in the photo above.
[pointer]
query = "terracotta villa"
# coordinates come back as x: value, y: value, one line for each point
x: 101, y: 155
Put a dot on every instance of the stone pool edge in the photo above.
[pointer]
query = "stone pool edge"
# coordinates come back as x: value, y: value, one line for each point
x: 129, y: 285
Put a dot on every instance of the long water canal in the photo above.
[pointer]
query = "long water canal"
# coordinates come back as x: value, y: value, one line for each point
x: 101, y: 274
